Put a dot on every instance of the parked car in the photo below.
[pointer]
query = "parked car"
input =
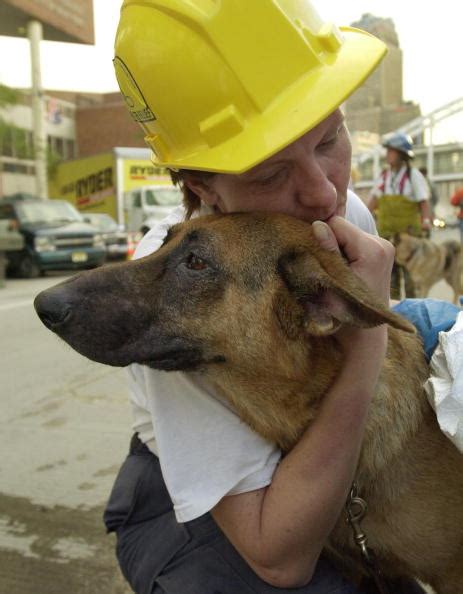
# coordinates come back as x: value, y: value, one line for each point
x: 55, y: 236
x: 115, y: 236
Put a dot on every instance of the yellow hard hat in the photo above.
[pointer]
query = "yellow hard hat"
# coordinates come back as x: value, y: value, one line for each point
x: 221, y: 85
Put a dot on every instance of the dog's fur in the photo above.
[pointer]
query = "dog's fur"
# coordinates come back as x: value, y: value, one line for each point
x: 252, y: 301
x: 429, y: 262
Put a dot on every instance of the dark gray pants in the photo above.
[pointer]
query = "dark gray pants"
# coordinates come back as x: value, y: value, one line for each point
x: 157, y: 555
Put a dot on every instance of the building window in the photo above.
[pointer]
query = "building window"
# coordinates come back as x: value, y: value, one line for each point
x: 448, y: 162
x: 63, y: 148
x: 16, y: 142
x: 17, y: 168
x: 6, y: 140
x: 21, y: 146
x: 70, y: 151
x: 59, y: 147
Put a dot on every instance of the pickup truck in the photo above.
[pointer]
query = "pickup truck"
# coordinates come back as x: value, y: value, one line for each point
x: 55, y: 236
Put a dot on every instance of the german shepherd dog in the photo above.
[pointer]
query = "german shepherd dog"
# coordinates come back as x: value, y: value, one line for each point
x: 219, y: 294
x: 428, y: 262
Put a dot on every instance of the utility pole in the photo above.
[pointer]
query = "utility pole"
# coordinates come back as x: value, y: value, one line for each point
x: 34, y: 33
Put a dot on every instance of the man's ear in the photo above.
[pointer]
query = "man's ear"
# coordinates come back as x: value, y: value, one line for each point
x: 202, y: 189
x: 329, y: 294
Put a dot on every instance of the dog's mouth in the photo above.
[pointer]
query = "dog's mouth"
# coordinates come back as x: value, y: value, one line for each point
x: 169, y: 354
x: 189, y: 359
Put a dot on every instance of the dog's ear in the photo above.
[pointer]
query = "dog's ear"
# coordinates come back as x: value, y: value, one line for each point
x: 329, y: 295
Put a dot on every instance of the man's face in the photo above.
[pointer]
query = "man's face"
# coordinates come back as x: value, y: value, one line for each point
x: 308, y: 179
x: 393, y: 157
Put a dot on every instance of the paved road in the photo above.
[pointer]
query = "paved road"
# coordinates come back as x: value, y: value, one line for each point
x: 65, y: 426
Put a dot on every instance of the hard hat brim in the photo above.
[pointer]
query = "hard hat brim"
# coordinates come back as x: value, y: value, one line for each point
x: 410, y: 154
x: 303, y: 105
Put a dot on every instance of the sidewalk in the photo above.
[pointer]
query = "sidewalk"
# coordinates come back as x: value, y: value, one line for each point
x: 65, y: 429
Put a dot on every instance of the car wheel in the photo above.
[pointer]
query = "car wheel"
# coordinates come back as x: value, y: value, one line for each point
x: 28, y: 268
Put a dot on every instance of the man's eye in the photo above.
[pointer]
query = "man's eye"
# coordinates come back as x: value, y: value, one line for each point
x: 195, y: 262
x: 328, y: 142
x: 266, y: 181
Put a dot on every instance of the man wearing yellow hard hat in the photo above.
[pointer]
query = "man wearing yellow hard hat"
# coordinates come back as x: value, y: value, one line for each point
x: 240, y: 100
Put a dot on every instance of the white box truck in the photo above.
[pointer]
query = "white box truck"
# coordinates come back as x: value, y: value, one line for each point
x: 123, y: 183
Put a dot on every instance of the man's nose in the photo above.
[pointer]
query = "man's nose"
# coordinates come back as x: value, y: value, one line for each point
x: 315, y: 190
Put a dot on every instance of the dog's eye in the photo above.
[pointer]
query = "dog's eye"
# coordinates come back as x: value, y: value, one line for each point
x: 195, y: 262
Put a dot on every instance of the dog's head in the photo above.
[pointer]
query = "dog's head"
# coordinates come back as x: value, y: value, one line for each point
x: 406, y: 246
x: 220, y: 289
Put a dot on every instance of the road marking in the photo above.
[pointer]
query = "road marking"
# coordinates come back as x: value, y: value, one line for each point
x: 16, y: 304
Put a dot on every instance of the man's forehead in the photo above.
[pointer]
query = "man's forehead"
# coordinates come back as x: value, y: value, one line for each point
x: 331, y: 123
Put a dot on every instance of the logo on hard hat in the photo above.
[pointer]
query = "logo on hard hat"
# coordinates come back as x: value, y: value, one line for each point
x: 132, y: 94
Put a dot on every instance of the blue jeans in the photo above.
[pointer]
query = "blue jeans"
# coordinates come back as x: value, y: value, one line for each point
x: 157, y: 555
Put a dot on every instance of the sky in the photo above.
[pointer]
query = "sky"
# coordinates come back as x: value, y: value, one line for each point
x: 430, y: 35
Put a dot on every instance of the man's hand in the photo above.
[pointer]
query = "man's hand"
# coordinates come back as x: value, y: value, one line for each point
x: 370, y: 257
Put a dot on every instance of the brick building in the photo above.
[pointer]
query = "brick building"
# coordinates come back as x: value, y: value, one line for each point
x: 104, y: 125
x: 102, y: 121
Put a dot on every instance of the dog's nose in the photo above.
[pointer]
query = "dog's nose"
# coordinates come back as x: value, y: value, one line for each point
x: 53, y: 308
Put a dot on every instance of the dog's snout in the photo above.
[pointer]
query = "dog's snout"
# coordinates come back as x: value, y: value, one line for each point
x: 53, y: 308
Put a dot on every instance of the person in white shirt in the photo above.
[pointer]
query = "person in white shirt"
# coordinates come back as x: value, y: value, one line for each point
x: 400, y: 179
x: 240, y: 101
x: 400, y: 202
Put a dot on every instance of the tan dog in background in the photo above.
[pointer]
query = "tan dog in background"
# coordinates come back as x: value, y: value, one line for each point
x: 252, y: 302
x: 429, y: 262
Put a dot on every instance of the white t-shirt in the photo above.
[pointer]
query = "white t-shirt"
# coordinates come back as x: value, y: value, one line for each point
x: 410, y: 184
x: 205, y: 450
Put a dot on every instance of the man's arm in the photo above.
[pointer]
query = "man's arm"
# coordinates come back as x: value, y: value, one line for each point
x: 425, y: 212
x: 372, y: 203
x: 280, y: 530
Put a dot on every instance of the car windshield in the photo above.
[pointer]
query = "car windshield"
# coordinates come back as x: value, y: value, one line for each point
x: 104, y: 222
x: 163, y: 197
x: 47, y: 211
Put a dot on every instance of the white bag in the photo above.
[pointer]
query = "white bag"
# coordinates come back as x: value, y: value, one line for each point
x: 444, y: 388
